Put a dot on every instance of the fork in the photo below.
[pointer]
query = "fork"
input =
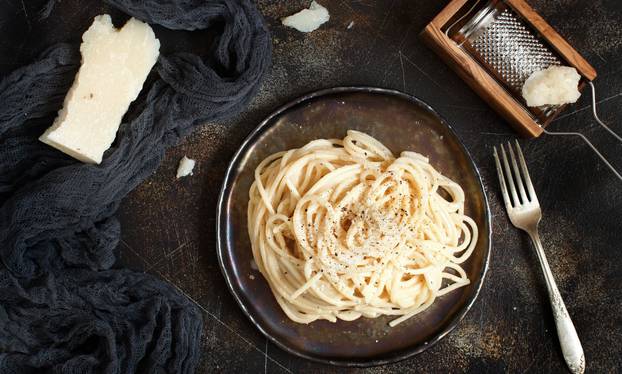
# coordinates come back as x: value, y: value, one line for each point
x: 524, y: 211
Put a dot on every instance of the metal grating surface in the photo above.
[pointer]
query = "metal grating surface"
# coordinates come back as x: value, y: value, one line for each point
x: 512, y: 50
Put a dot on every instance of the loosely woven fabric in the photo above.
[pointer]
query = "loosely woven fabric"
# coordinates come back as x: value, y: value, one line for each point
x: 65, y: 305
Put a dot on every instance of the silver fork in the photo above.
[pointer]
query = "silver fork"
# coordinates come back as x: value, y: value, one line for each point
x: 524, y: 212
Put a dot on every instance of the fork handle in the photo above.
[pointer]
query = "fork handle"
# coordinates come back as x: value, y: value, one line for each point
x: 568, y: 338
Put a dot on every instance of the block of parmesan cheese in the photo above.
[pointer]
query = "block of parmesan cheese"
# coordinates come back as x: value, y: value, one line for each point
x: 555, y: 85
x: 115, y: 64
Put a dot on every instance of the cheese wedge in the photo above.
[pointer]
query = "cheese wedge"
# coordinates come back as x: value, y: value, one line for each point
x: 115, y: 64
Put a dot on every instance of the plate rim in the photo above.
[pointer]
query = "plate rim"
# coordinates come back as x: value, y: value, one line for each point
x: 220, y: 218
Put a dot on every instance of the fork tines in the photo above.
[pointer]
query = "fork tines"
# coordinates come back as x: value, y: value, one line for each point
x: 514, y: 178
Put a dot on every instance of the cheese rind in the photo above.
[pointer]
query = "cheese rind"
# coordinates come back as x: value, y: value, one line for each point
x: 115, y: 64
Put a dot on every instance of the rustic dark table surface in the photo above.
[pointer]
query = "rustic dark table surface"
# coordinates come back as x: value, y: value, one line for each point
x: 169, y: 225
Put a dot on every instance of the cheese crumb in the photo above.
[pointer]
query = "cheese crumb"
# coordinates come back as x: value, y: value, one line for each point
x: 185, y: 167
x: 555, y: 85
x: 115, y: 64
x: 308, y: 20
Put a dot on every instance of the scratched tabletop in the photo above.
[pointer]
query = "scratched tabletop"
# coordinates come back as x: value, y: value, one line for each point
x: 169, y: 225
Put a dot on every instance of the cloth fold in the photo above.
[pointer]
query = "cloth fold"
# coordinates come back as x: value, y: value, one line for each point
x: 64, y: 307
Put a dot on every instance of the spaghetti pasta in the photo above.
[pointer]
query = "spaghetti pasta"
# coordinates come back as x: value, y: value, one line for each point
x: 343, y: 229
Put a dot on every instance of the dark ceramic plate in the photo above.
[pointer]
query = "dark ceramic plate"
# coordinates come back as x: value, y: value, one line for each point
x: 399, y: 121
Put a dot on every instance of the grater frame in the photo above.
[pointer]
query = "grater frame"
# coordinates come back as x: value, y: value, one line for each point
x: 485, y: 81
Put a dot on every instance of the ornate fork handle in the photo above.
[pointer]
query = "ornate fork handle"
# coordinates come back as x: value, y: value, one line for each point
x: 568, y: 338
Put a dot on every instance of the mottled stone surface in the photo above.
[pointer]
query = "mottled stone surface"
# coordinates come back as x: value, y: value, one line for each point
x: 168, y: 225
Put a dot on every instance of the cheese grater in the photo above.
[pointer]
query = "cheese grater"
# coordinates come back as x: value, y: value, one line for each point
x: 503, y: 43
x: 495, y: 46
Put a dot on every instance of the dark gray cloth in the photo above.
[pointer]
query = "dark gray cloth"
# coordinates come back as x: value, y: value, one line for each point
x: 64, y: 305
